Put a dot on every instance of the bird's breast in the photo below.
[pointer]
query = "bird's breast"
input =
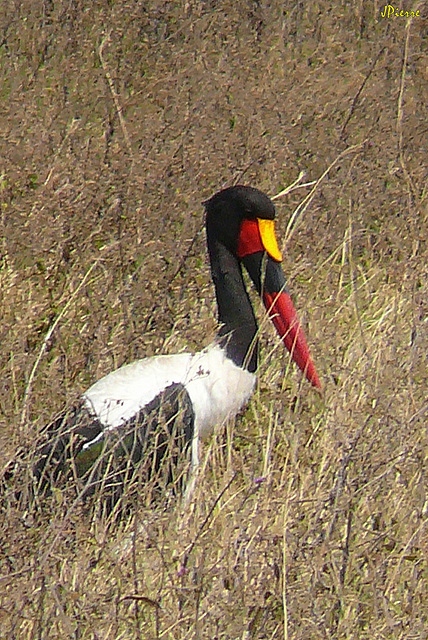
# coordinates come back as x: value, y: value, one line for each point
x: 218, y: 388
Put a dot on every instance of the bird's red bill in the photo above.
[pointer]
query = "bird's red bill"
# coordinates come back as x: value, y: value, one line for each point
x: 284, y: 316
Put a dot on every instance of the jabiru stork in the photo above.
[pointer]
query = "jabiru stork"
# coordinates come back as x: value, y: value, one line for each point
x: 148, y: 411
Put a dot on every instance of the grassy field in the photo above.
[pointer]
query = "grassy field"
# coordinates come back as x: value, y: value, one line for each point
x: 117, y: 119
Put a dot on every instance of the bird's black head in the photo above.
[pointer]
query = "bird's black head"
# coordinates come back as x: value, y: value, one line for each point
x: 241, y: 201
x: 228, y: 208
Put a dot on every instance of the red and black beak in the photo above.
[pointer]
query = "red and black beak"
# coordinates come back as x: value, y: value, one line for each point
x: 259, y: 252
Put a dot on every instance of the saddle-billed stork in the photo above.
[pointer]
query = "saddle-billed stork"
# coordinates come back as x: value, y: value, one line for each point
x: 133, y: 419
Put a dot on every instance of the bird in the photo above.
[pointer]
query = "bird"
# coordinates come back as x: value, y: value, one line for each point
x: 143, y: 419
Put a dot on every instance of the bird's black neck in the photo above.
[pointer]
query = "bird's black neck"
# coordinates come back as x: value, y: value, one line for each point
x: 238, y: 323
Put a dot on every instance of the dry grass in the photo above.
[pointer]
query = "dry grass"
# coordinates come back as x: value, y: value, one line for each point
x: 117, y: 119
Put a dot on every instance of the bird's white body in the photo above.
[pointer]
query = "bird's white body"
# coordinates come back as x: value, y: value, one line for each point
x: 217, y: 388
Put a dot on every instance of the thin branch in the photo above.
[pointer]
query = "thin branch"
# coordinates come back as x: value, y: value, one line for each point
x: 168, y: 287
x: 301, y: 208
x: 357, y: 95
x: 399, y: 125
x: 284, y: 570
x: 294, y: 185
x: 28, y: 389
x: 186, y: 556
x: 119, y: 108
x: 354, y: 283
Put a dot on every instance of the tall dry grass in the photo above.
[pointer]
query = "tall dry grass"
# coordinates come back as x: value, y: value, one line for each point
x: 309, y: 518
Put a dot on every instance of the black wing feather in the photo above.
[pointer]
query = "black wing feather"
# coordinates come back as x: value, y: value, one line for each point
x: 149, y: 450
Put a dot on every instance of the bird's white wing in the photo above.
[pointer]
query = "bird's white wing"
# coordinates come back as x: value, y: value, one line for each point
x: 119, y: 396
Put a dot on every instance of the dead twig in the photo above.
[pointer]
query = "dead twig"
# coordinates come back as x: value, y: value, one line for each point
x: 186, y: 556
x: 357, y: 95
x: 301, y: 208
x: 28, y: 389
x: 119, y: 108
x: 399, y: 126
